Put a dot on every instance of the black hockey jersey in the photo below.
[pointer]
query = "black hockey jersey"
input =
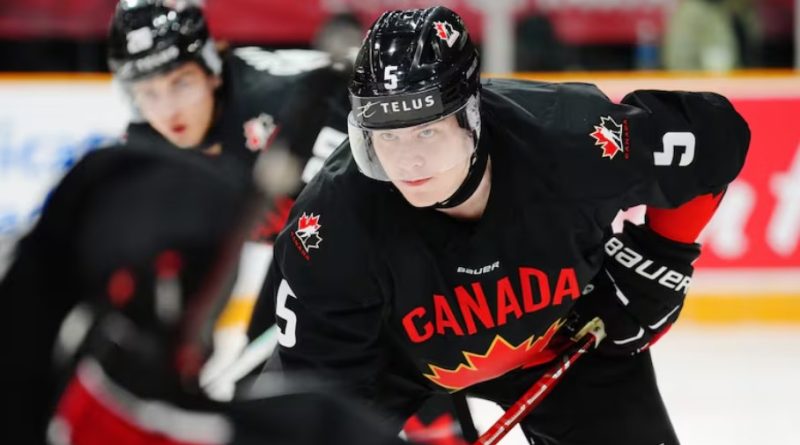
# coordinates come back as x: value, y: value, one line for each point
x: 376, y: 293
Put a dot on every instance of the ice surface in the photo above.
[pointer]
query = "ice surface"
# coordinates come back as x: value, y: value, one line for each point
x: 723, y: 385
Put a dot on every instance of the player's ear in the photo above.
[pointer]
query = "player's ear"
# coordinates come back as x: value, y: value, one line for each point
x: 216, y: 81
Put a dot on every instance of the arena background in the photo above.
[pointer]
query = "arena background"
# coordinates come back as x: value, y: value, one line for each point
x: 728, y: 370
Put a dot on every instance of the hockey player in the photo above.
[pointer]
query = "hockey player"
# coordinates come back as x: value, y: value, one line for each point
x: 231, y: 106
x: 462, y: 234
x: 236, y: 104
x: 143, y: 276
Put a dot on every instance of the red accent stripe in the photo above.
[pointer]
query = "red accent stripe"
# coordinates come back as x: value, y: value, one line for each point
x: 684, y: 223
x: 90, y: 422
x: 442, y: 431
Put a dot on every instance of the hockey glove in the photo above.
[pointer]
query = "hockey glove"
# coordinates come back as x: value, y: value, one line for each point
x: 640, y: 290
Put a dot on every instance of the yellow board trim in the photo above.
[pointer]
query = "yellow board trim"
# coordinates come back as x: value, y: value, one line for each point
x: 759, y: 308
x: 55, y: 77
x: 237, y: 313
x: 657, y: 74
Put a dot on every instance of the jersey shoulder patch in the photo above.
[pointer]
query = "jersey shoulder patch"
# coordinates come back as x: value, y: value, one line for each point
x: 327, y: 240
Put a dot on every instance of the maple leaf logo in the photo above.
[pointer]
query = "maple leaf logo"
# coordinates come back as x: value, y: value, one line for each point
x: 500, y: 358
x: 308, y: 231
x: 308, y: 223
x: 259, y: 131
x: 446, y: 32
x: 608, y: 135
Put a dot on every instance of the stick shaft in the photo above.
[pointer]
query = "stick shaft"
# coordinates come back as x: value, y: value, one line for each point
x: 589, y: 337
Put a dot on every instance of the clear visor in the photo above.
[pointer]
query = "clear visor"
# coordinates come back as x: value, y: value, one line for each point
x: 419, y: 152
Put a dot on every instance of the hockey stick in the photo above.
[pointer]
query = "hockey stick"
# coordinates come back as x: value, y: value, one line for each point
x: 590, y: 336
x: 221, y: 385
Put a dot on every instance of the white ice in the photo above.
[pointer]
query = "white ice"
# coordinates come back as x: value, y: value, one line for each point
x: 723, y: 385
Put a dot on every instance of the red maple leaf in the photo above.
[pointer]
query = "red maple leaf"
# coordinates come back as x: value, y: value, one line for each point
x: 610, y: 148
x: 500, y: 358
x: 308, y: 223
x: 441, y: 30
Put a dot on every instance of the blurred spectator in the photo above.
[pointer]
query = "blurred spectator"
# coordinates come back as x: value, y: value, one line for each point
x: 749, y: 32
x: 538, y: 47
x: 646, y: 53
x: 68, y: 35
x: 340, y: 37
x: 712, y: 35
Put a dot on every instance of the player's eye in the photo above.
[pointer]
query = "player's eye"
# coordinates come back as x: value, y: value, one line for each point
x: 427, y: 133
x: 388, y: 137
x: 146, y: 96
x: 182, y: 83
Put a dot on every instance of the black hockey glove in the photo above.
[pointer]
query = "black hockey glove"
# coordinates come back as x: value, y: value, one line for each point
x: 640, y: 290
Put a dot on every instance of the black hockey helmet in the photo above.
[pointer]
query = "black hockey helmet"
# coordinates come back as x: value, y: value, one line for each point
x: 415, y: 67
x: 408, y: 54
x: 149, y: 37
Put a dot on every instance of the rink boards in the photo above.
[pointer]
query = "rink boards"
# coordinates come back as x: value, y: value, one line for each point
x: 750, y: 267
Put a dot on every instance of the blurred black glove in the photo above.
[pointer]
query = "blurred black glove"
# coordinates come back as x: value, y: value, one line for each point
x: 640, y: 290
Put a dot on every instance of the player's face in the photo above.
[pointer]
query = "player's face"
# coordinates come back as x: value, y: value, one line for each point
x: 178, y: 104
x: 426, y: 163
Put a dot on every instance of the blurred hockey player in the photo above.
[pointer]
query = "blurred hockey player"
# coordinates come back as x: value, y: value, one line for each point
x: 185, y: 93
x: 462, y: 235
x: 287, y: 108
x: 139, y: 247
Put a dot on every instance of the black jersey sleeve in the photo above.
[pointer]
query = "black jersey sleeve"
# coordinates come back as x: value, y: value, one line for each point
x: 314, y: 100
x: 693, y: 143
x: 328, y: 307
x: 660, y: 148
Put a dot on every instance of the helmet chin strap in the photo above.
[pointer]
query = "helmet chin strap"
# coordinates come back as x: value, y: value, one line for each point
x: 474, y: 176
